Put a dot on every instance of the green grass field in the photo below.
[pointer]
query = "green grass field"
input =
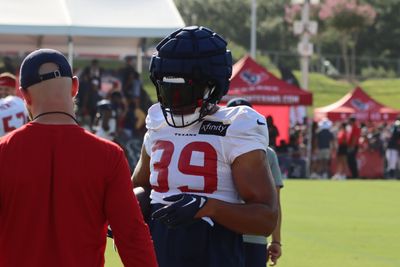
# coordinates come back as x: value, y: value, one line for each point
x: 336, y: 224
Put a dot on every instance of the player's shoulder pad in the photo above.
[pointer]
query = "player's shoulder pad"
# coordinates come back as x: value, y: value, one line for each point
x: 14, y: 99
x: 155, y: 118
x: 242, y: 120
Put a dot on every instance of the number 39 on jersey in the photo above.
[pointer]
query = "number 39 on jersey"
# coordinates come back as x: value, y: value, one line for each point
x: 198, y: 158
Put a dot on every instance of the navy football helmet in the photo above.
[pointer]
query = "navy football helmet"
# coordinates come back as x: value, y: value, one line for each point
x: 238, y: 102
x: 191, y: 73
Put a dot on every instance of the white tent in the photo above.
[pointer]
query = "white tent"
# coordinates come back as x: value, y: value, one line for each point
x: 85, y: 27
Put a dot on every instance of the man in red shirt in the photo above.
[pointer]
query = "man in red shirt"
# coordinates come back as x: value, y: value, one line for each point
x: 60, y: 185
x: 352, y: 147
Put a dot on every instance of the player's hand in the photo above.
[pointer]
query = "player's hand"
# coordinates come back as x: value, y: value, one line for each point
x: 181, y: 211
x: 274, y: 253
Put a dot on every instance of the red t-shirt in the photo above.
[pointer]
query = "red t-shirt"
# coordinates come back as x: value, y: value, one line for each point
x: 342, y: 137
x: 59, y: 185
x: 354, y: 136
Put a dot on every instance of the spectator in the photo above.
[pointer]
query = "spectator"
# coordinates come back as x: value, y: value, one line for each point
x: 325, y: 143
x: 105, y: 125
x: 95, y: 72
x: 341, y: 153
x: 132, y: 88
x: 133, y: 119
x: 282, y: 149
x: 127, y: 71
x: 352, y: 147
x: 93, y: 97
x: 118, y: 106
x: 392, y: 150
x: 69, y: 183
x: 87, y: 98
x: 273, y: 131
x: 82, y: 99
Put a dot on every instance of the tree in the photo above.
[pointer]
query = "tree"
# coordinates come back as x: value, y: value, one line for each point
x: 231, y: 18
x: 348, y: 18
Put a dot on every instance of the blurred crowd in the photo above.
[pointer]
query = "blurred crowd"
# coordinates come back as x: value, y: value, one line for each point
x: 118, y: 112
x: 335, y: 148
x: 113, y: 104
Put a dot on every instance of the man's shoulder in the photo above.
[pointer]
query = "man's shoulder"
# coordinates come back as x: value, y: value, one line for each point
x: 100, y: 141
x: 9, y: 137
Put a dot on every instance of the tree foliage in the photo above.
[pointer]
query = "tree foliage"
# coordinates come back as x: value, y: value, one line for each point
x: 231, y: 18
x: 348, y: 18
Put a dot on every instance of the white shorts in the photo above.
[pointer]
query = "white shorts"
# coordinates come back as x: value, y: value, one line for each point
x: 392, y: 157
x: 324, y: 153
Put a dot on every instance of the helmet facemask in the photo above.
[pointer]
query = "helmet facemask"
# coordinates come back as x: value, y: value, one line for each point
x: 184, y: 101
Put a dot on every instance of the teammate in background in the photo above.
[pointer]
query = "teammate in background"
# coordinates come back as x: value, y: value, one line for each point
x: 206, y: 164
x: 13, y: 113
x: 59, y: 184
x: 257, y: 252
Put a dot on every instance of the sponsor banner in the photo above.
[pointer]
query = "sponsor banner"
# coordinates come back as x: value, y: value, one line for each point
x: 270, y: 99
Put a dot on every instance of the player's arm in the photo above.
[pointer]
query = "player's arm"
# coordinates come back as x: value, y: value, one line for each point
x: 141, y: 174
x: 253, y: 179
x: 141, y: 183
x: 274, y: 247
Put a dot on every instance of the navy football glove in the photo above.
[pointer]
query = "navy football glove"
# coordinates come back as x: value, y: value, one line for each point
x: 182, y: 211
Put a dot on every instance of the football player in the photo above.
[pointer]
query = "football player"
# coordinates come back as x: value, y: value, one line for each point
x: 257, y: 252
x: 13, y: 113
x: 206, y: 165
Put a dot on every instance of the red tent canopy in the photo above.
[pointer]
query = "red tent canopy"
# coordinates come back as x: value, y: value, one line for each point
x: 256, y: 84
x: 268, y: 94
x: 359, y: 104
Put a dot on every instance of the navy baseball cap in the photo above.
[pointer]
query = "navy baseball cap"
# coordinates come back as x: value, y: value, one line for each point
x: 29, y: 72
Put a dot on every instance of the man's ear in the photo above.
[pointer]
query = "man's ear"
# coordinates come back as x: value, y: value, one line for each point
x: 75, y: 86
x: 26, y: 95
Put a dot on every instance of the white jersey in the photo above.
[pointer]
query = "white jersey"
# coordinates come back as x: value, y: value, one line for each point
x: 13, y: 114
x: 197, y: 159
